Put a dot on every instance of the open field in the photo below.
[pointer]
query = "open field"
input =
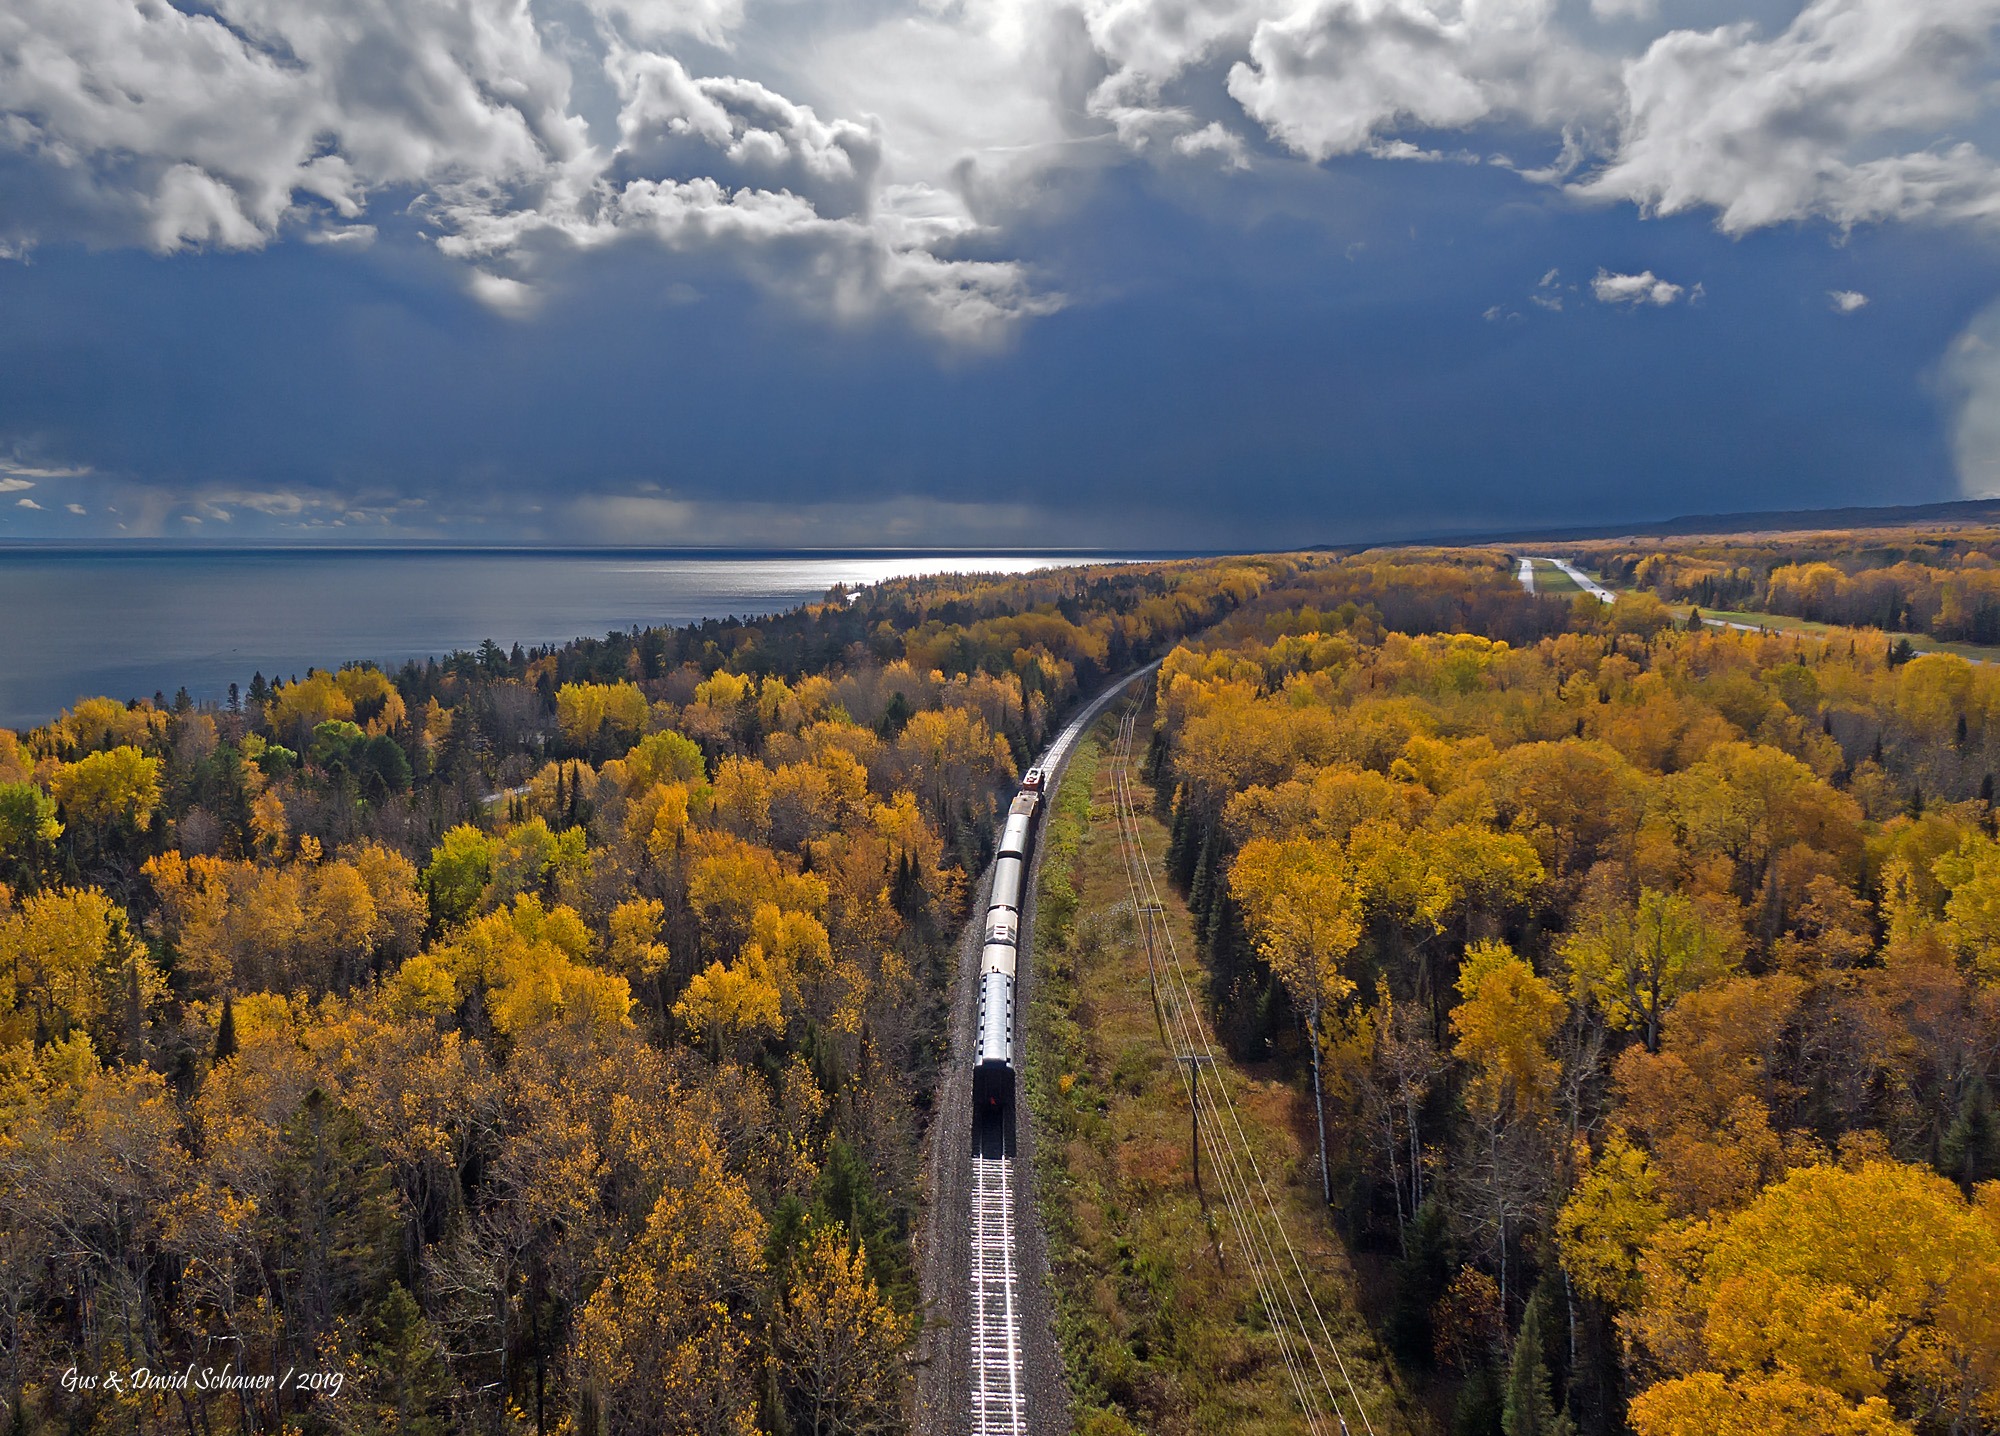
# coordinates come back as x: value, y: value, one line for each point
x: 1550, y: 579
x: 1160, y: 1324
x: 1785, y: 625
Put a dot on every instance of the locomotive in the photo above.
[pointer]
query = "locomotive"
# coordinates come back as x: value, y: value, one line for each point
x: 993, y: 1067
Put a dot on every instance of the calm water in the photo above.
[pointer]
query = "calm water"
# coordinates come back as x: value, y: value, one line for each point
x: 79, y: 622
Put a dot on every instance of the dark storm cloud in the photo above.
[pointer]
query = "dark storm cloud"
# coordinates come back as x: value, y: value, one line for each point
x: 1131, y: 271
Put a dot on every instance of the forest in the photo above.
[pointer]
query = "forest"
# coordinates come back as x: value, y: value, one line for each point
x: 543, y: 1041
x: 521, y: 1042
x: 1642, y: 986
x: 1942, y: 584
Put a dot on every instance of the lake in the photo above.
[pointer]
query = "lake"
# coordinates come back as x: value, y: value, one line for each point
x: 127, y: 623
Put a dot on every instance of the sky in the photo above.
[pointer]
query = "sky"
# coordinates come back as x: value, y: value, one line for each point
x: 1110, y: 273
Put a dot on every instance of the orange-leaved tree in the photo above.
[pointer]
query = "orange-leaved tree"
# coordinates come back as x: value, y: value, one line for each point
x: 1854, y: 1301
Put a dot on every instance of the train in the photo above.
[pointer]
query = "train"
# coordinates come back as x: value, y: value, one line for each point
x: 993, y: 1064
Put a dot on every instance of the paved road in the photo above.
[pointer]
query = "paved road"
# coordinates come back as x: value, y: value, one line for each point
x: 1605, y: 595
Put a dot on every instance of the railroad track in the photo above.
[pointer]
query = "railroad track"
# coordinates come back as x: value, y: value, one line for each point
x: 999, y: 1406
x: 999, y: 1391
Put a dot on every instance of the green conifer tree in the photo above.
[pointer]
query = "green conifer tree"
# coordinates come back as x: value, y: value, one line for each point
x: 225, y: 1031
x: 1528, y: 1408
x: 1971, y: 1147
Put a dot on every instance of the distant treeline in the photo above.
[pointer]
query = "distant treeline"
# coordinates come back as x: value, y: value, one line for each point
x: 1947, y: 587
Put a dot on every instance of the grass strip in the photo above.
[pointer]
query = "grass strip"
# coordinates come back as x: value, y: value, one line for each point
x: 1160, y: 1325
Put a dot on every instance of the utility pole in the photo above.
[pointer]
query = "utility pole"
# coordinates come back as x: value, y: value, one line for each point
x: 1150, y: 913
x: 1194, y: 1062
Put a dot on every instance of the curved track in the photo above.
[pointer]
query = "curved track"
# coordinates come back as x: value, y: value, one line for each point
x: 988, y: 1364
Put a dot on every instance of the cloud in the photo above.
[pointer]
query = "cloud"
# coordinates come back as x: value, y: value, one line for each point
x: 908, y: 520
x: 1970, y: 378
x: 1845, y: 116
x: 228, y: 127
x: 866, y: 160
x: 746, y: 125
x: 12, y: 485
x: 78, y: 509
x: 1846, y: 301
x: 501, y: 294
x: 1634, y: 289
x: 1213, y: 139
x: 1341, y: 76
x: 713, y: 22
x: 13, y: 471
x: 1856, y: 111
x: 911, y: 520
x: 27, y: 504
x: 216, y: 127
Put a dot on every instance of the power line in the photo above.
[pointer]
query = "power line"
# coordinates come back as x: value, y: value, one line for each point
x: 1237, y: 1168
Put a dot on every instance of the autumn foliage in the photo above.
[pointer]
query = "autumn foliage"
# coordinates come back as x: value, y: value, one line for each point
x: 542, y: 1041
x: 1646, y: 981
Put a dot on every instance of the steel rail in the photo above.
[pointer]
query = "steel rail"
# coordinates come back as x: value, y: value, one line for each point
x: 999, y: 1395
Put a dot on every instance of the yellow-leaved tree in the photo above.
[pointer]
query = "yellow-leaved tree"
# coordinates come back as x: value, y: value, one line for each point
x: 585, y: 709
x: 1853, y: 1301
x: 28, y: 828
x: 636, y: 949
x: 1503, y: 1024
x: 1607, y: 1221
x: 728, y: 1003
x: 839, y: 1341
x: 530, y: 962
x: 1635, y: 963
x: 68, y: 960
x: 360, y: 694
x: 663, y: 1344
x: 102, y: 789
x: 1971, y: 874
x: 1302, y: 911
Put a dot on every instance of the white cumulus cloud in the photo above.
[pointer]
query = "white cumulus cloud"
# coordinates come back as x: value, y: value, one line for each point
x: 1342, y: 76
x: 1846, y: 115
x: 1213, y: 139
x: 1846, y: 301
x: 1855, y: 111
x: 853, y: 156
x: 229, y: 127
x: 1634, y: 289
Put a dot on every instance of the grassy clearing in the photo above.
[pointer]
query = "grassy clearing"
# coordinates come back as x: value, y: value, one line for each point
x: 1550, y: 579
x: 1782, y: 623
x: 1160, y: 1325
